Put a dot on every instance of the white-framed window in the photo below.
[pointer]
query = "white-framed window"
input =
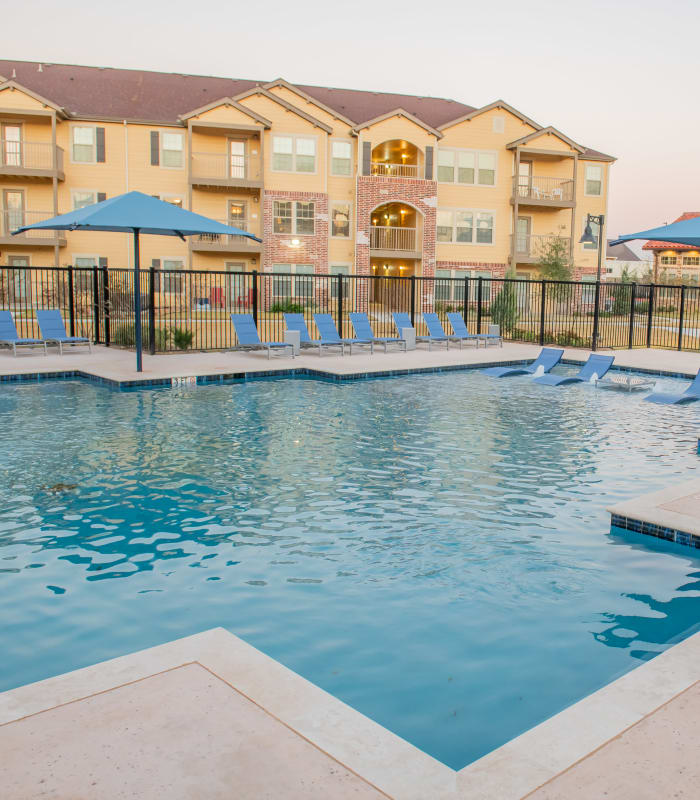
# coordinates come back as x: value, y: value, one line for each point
x: 293, y: 216
x: 341, y: 157
x: 83, y: 276
x: 595, y: 231
x: 172, y: 147
x: 84, y: 144
x: 588, y: 292
x: 594, y: 181
x: 292, y: 153
x: 668, y: 260
x: 340, y: 220
x: 82, y: 198
x: 447, y: 286
x: 465, y: 226
x: 297, y: 285
x: 499, y: 124
x: 338, y: 269
x: 691, y: 261
x: 172, y: 283
x: 468, y: 167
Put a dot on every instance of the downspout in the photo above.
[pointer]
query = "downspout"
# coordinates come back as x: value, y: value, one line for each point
x: 126, y: 181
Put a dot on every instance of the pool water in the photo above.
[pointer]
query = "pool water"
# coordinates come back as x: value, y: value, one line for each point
x: 433, y: 550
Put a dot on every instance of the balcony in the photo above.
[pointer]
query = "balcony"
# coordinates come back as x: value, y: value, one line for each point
x: 387, y: 241
x: 225, y: 171
x: 13, y: 219
x: 529, y: 248
x: 30, y: 160
x: 223, y: 243
x: 389, y: 170
x: 539, y: 190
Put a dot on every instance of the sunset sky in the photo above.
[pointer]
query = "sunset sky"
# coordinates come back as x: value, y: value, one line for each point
x: 620, y: 77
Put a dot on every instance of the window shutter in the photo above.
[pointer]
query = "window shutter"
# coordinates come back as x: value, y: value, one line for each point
x: 429, y: 163
x: 101, y: 196
x: 103, y: 262
x: 366, y: 158
x: 100, y: 144
x: 155, y: 262
x: 155, y: 148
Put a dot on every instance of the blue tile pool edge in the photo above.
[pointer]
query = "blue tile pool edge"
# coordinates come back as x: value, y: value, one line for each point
x: 658, y: 531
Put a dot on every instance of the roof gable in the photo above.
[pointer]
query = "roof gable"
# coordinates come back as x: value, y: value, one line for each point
x: 548, y: 131
x: 12, y: 85
x: 230, y: 102
x: 309, y: 99
x: 501, y: 104
x: 259, y: 90
x: 399, y: 112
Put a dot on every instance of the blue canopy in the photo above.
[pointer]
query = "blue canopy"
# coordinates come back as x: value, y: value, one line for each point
x: 135, y: 211
x: 686, y: 231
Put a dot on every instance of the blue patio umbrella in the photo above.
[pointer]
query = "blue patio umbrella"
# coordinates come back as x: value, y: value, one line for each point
x: 686, y: 231
x: 136, y: 213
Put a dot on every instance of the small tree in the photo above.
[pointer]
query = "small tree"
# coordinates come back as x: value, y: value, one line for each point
x: 504, y: 309
x: 621, y: 294
x: 555, y: 264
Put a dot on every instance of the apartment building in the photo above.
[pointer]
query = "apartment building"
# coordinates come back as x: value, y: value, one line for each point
x: 676, y: 261
x: 332, y: 180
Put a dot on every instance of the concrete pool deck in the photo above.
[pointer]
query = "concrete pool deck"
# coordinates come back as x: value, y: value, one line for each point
x: 114, y: 365
x: 209, y: 716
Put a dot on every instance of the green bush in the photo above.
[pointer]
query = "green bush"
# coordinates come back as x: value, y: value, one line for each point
x: 182, y: 339
x: 286, y: 307
x: 123, y: 335
x: 504, y: 309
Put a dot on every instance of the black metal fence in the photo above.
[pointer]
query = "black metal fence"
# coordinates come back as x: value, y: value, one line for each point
x: 191, y: 309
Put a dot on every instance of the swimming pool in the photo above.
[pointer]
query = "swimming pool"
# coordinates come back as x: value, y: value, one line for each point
x: 433, y: 550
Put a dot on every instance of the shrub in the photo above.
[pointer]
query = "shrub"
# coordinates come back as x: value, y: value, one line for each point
x: 504, y: 309
x: 286, y: 307
x: 182, y: 339
x: 123, y: 335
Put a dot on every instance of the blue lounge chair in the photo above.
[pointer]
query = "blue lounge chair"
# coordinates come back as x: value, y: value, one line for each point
x: 296, y: 322
x: 326, y: 327
x: 10, y: 338
x: 549, y: 357
x: 360, y: 322
x: 460, y: 329
x: 248, y: 338
x: 435, y: 329
x: 402, y: 321
x: 690, y: 395
x: 54, y: 331
x: 595, y: 367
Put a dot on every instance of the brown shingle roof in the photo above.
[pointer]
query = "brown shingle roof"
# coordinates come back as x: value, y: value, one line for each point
x: 654, y: 245
x: 108, y: 93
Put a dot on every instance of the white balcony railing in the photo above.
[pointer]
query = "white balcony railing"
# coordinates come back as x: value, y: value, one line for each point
x: 218, y: 240
x: 532, y: 246
x: 540, y: 187
x: 394, y: 170
x: 12, y: 219
x: 222, y: 167
x: 29, y: 155
x: 391, y: 238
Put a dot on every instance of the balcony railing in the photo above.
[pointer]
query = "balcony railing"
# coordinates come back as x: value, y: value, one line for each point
x: 12, y: 219
x: 219, y: 241
x: 542, y: 188
x: 23, y: 156
x: 390, y: 238
x: 223, y: 167
x: 531, y: 247
x: 394, y: 170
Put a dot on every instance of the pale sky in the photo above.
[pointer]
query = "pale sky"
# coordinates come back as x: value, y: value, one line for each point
x: 619, y: 76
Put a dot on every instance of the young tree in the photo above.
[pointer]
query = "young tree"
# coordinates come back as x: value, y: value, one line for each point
x: 554, y: 259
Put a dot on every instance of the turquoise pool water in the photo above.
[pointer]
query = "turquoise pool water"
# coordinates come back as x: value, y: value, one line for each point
x: 433, y: 550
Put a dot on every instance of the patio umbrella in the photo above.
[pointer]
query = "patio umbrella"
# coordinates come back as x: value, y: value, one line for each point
x: 136, y: 213
x: 686, y: 231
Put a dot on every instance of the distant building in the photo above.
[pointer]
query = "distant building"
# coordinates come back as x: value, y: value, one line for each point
x: 676, y: 261
x: 619, y: 258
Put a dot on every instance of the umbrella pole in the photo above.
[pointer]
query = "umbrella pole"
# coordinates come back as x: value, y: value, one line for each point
x: 137, y: 304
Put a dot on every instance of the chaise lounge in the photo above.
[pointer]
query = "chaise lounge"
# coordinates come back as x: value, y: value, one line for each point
x: 460, y: 329
x: 549, y: 357
x: 690, y: 395
x: 296, y: 322
x: 249, y: 339
x: 593, y: 370
x: 360, y: 322
x: 53, y: 330
x: 10, y: 338
x: 329, y: 333
x: 403, y: 321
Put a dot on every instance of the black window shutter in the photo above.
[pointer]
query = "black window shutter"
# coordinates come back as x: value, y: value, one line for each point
x: 101, y: 196
x: 429, y: 163
x: 155, y: 148
x: 100, y: 144
x: 366, y: 158
x: 103, y: 261
x: 155, y: 263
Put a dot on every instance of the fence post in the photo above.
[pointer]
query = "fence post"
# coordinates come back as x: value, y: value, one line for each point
x: 105, y: 301
x: 413, y: 301
x: 465, y: 307
x: 339, y: 312
x: 681, y: 314
x: 543, y: 306
x: 255, y: 297
x: 650, y: 313
x: 95, y: 306
x: 71, y: 301
x: 478, y: 303
x: 633, y: 305
x: 151, y: 310
x: 596, y: 316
